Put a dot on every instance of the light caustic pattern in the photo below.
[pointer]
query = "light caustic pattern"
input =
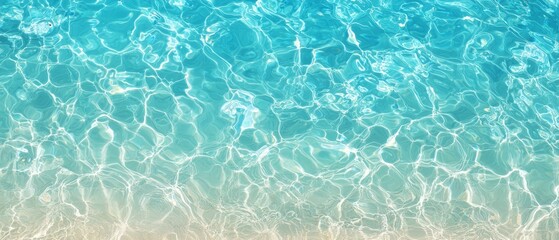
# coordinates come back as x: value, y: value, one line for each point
x: 328, y: 119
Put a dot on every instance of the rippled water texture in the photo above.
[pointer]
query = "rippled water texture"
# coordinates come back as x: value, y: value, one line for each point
x: 303, y: 119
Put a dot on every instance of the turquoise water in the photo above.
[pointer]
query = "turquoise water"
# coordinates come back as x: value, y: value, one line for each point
x: 323, y: 119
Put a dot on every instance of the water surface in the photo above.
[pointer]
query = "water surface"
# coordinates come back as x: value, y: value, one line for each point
x: 330, y: 119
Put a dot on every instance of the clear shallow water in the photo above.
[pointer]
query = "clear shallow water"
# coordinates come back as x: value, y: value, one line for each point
x: 279, y: 119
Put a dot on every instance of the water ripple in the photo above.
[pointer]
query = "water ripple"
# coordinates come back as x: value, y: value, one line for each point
x: 279, y: 119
